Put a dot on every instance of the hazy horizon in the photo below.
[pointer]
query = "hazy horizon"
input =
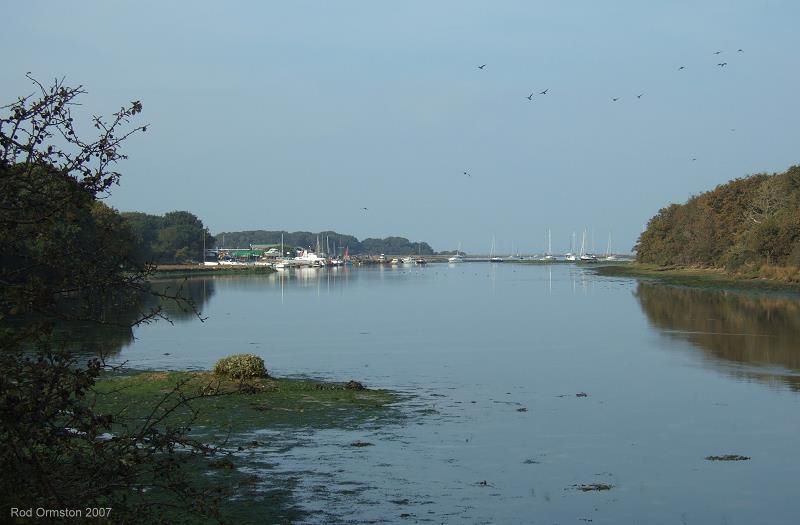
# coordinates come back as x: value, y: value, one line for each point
x: 297, y: 116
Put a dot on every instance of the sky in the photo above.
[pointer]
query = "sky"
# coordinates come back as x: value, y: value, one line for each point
x: 297, y: 115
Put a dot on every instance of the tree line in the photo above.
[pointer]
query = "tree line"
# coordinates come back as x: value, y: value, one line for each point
x: 750, y: 224
x: 369, y: 246
x: 175, y: 237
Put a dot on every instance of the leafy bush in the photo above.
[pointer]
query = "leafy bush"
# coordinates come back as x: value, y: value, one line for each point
x: 241, y: 366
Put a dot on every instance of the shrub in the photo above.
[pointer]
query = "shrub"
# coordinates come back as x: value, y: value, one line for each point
x: 241, y: 366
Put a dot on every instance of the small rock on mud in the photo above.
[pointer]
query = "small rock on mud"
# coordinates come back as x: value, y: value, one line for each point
x: 728, y: 457
x: 596, y: 487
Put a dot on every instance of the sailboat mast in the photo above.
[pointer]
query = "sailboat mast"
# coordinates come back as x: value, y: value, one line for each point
x: 583, y: 242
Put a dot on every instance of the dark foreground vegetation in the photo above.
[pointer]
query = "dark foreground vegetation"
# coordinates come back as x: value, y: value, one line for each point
x: 748, y: 227
x: 75, y: 435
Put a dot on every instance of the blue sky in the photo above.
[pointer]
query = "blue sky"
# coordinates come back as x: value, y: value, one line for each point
x: 295, y: 115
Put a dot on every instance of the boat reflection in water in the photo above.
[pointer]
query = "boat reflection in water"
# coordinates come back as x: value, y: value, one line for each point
x: 747, y: 335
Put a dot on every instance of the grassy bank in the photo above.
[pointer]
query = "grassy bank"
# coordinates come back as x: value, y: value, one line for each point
x: 228, y: 414
x: 696, y: 277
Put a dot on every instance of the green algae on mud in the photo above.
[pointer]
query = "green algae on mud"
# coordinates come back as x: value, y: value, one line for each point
x: 228, y: 415
x: 694, y: 277
x: 224, y: 405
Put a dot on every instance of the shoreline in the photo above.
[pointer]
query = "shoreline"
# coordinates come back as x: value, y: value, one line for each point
x: 186, y: 270
x: 696, y: 277
x: 229, y: 415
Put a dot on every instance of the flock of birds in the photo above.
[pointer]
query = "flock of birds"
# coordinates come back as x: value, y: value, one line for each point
x: 613, y: 99
x: 534, y: 93
x: 530, y: 97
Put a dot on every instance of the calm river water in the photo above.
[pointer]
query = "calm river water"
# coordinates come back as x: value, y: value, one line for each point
x: 671, y: 375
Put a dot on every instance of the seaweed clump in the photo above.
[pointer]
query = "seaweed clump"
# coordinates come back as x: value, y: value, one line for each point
x: 241, y: 366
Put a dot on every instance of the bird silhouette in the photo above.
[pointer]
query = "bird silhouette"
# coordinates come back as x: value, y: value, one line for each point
x: 717, y: 52
x: 482, y: 66
x: 364, y: 209
x: 694, y: 159
x: 544, y: 92
x: 682, y: 67
x: 467, y: 174
x: 530, y: 97
x: 640, y: 95
x: 722, y: 64
x: 614, y: 99
x: 740, y: 50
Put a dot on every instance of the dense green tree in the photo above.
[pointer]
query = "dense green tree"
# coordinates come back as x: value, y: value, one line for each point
x: 174, y: 237
x: 747, y: 224
x: 145, y: 228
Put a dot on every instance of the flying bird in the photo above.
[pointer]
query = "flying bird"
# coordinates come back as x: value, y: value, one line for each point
x: 682, y: 67
x: 544, y: 92
x: 722, y: 64
x: 717, y: 52
x: 740, y: 50
x: 364, y: 209
x: 530, y: 97
x: 640, y: 95
x: 614, y: 99
x: 694, y: 159
x: 482, y: 66
x: 467, y: 174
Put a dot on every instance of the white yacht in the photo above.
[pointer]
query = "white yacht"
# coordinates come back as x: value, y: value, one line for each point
x: 458, y: 257
x: 308, y: 258
x: 570, y: 255
x: 549, y: 255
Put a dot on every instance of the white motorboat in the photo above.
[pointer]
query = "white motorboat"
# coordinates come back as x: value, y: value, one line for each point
x: 308, y: 258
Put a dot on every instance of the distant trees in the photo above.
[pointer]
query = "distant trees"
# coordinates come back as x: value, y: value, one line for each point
x: 175, y: 237
x: 395, y: 246
x: 747, y: 224
x: 389, y: 245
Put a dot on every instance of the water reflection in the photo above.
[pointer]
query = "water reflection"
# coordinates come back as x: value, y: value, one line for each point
x: 760, y: 331
x: 115, y: 332
x: 198, y: 291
